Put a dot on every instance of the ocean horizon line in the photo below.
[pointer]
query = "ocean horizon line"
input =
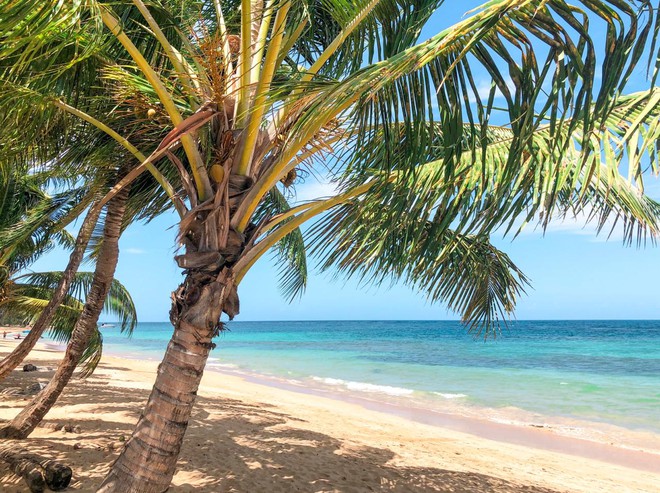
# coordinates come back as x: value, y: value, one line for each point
x: 416, y: 320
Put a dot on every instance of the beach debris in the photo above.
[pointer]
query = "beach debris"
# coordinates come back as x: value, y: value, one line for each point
x: 11, y: 392
x: 115, y: 446
x: 64, y: 427
x: 28, y: 470
x: 57, y: 475
x: 29, y: 367
x: 37, y: 472
x: 34, y: 388
x: 69, y: 428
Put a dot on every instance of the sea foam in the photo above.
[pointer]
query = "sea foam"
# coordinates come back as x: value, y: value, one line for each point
x: 449, y: 395
x: 365, y: 387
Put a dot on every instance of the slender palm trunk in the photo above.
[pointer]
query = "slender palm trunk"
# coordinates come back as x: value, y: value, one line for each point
x: 148, y: 461
x: 19, y: 353
x: 27, y: 420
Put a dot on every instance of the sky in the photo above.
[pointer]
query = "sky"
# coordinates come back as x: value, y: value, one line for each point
x: 575, y: 274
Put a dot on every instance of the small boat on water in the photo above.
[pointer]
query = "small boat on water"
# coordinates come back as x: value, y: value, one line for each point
x: 107, y: 325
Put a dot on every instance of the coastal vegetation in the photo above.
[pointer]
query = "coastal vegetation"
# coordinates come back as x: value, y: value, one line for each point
x: 31, y: 224
x: 217, y: 110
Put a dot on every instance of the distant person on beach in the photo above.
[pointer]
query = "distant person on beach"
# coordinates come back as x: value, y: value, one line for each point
x: 18, y: 336
x: 4, y: 335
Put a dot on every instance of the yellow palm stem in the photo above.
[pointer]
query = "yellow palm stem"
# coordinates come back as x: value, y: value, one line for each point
x: 245, y: 62
x: 181, y: 66
x: 313, y: 209
x: 252, y: 130
x: 289, y: 40
x: 202, y: 182
x: 283, y: 165
x: 262, y: 37
x: 339, y: 40
x: 158, y: 176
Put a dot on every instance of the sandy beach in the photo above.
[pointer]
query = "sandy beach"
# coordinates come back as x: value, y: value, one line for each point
x: 248, y: 437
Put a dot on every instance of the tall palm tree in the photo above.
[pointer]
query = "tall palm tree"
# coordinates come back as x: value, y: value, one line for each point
x: 18, y: 234
x: 228, y: 104
x: 31, y: 223
x: 57, y: 293
x: 85, y: 330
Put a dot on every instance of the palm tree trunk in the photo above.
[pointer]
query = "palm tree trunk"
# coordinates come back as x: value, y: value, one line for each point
x: 19, y: 353
x: 148, y: 461
x: 28, y: 419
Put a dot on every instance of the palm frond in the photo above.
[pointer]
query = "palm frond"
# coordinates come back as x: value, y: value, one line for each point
x: 401, y: 88
x: 483, y: 190
x: 118, y: 302
x: 466, y: 272
x: 91, y: 356
x: 289, y: 252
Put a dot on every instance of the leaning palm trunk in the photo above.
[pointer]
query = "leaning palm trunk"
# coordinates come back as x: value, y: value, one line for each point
x: 19, y: 353
x: 28, y: 419
x: 148, y: 461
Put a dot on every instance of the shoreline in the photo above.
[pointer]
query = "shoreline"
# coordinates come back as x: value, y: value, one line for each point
x: 542, y: 437
x: 638, y: 453
x: 247, y: 436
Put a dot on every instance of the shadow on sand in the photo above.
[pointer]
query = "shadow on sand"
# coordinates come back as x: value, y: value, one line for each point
x: 232, y: 446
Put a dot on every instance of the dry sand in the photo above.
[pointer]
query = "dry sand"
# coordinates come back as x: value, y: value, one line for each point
x: 252, y: 438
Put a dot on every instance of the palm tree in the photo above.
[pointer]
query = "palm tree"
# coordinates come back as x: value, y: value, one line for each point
x: 85, y: 331
x: 31, y: 223
x: 228, y: 104
x: 27, y: 231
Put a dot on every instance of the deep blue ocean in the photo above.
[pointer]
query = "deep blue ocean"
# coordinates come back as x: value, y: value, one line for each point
x: 596, y: 371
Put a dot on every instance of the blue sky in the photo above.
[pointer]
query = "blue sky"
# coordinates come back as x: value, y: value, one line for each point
x: 575, y: 275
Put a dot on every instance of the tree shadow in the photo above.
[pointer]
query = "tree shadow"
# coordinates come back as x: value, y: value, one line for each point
x: 233, y: 446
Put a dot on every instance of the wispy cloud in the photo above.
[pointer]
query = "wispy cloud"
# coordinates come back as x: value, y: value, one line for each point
x: 135, y: 251
x: 315, y: 190
x: 581, y: 224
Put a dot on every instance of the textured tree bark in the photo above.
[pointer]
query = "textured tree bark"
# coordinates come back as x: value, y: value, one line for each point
x: 57, y: 476
x: 19, y: 353
x: 148, y: 461
x: 28, y: 419
x: 28, y: 469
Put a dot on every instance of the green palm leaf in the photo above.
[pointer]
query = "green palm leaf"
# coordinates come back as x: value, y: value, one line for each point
x: 118, y: 302
x: 290, y: 251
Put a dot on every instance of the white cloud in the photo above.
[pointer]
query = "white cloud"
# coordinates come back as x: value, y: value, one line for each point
x: 314, y: 190
x: 579, y: 225
x: 135, y: 251
x: 484, y: 87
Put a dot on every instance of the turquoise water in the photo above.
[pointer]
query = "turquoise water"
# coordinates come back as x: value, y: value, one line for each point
x: 602, y: 371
